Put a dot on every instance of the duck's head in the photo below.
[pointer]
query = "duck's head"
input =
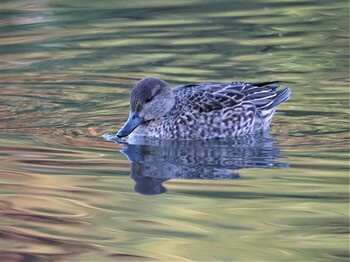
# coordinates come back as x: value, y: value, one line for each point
x: 151, y: 98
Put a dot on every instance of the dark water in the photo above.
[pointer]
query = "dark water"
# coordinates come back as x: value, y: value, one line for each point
x: 67, y: 194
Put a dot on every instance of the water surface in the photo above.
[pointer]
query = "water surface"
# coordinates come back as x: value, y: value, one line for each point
x: 66, y: 193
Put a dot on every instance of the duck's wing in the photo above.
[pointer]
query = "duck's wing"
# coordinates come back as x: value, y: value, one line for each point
x: 207, y: 97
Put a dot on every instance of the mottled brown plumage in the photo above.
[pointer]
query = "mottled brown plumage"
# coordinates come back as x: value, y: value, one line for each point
x: 201, y: 111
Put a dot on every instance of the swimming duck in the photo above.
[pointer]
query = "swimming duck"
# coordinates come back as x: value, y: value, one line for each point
x: 201, y: 111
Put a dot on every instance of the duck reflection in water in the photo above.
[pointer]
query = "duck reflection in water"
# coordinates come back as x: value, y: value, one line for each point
x: 156, y: 161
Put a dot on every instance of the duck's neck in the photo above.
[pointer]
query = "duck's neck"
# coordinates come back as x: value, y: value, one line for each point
x: 168, y: 102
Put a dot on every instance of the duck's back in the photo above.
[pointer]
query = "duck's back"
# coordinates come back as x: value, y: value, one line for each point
x: 216, y: 96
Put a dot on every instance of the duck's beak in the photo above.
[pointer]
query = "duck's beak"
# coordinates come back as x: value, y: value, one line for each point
x: 133, y: 121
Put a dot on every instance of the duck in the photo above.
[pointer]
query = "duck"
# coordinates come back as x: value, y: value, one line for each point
x: 202, y: 110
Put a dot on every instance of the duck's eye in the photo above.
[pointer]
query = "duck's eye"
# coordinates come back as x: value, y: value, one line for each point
x: 149, y: 99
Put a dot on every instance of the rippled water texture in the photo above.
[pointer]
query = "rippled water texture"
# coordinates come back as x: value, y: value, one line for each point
x: 67, y: 194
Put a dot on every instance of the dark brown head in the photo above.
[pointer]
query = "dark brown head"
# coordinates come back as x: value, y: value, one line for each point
x: 151, y: 98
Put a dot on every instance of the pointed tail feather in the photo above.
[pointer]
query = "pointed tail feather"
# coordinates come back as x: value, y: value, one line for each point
x: 282, y: 96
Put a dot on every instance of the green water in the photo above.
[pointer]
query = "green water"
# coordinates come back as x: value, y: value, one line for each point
x: 67, y: 194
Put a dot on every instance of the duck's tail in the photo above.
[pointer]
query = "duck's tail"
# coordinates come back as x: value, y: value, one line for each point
x: 265, y: 96
x: 281, y: 97
x: 267, y: 105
